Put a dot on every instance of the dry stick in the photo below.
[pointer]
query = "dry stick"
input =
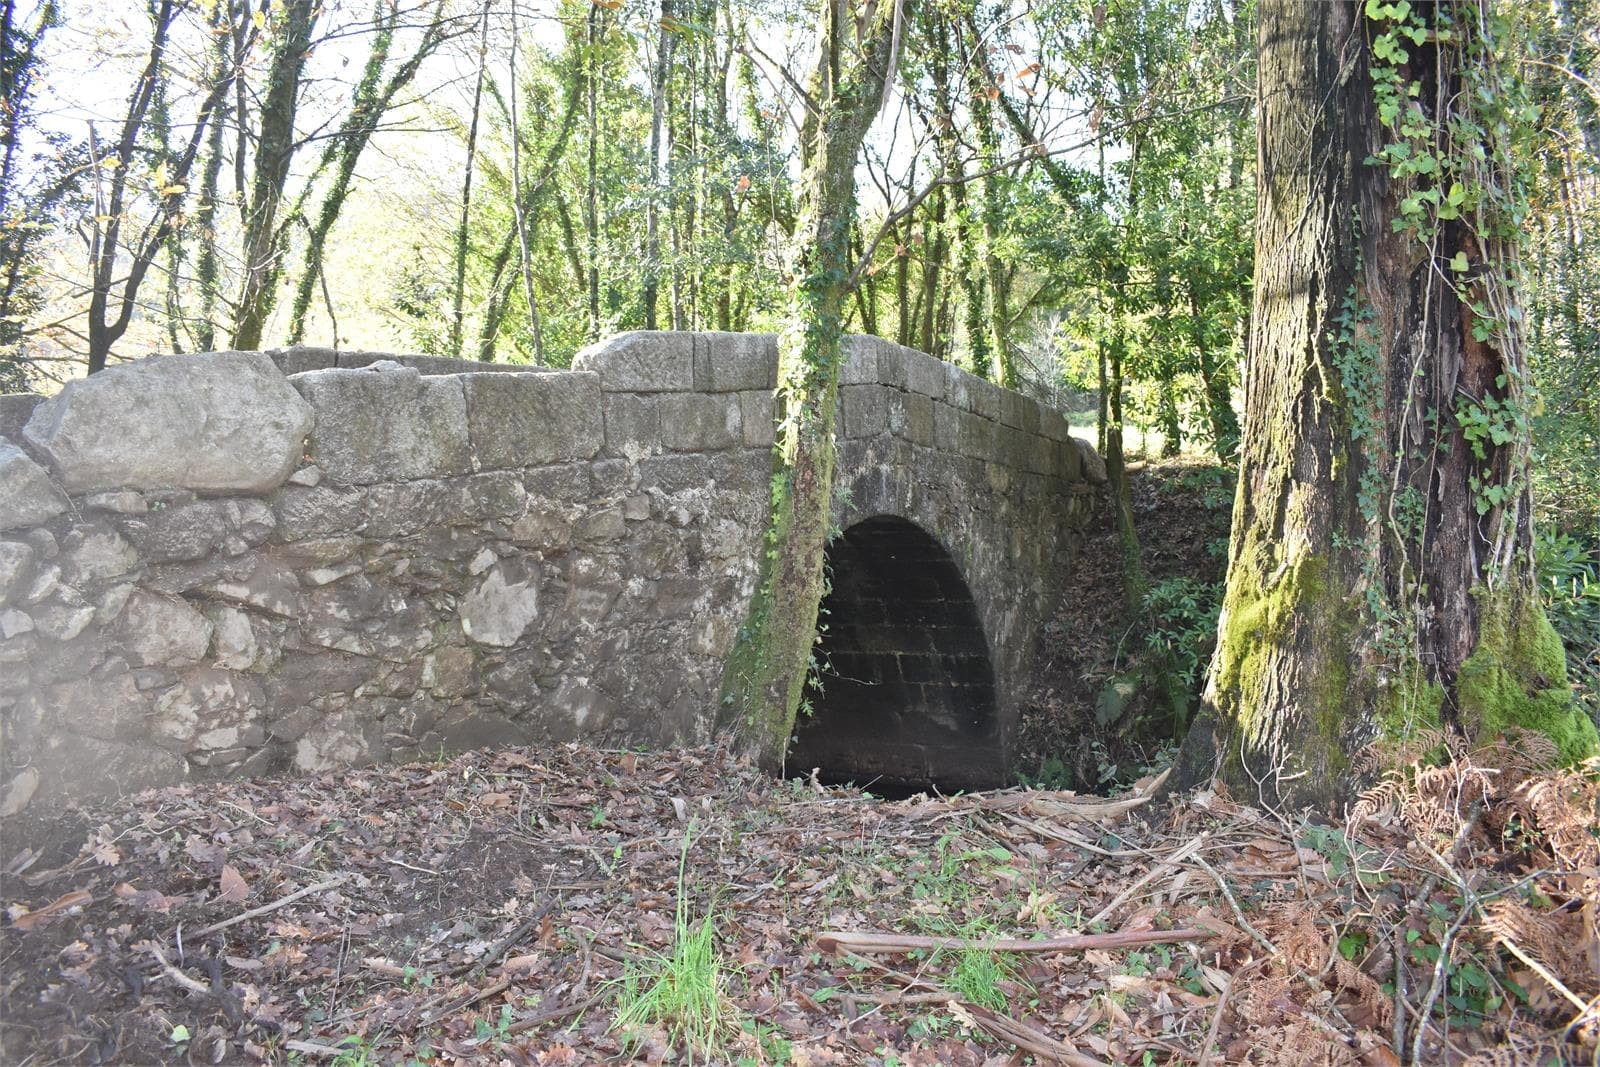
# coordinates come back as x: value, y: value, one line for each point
x: 1238, y: 913
x: 1022, y: 1035
x: 1222, y: 1007
x: 1053, y: 834
x: 836, y: 941
x: 1584, y: 1007
x: 466, y: 1000
x: 937, y: 996
x: 314, y: 1048
x: 1170, y: 863
x: 552, y: 1014
x: 175, y: 974
x: 274, y: 906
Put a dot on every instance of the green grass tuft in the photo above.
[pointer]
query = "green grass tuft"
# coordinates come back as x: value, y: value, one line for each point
x: 683, y: 992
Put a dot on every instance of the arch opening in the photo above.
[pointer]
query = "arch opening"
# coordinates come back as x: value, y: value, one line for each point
x: 907, y: 697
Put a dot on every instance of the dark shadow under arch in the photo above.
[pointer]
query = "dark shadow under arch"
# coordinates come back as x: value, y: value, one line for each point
x: 908, y: 695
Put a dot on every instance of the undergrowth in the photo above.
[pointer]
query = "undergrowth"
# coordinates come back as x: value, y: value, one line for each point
x: 682, y: 993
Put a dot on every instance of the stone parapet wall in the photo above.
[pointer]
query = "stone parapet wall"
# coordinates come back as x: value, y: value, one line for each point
x: 247, y: 562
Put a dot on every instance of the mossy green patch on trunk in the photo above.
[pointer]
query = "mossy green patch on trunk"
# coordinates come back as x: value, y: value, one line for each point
x: 1516, y: 677
x: 1257, y: 621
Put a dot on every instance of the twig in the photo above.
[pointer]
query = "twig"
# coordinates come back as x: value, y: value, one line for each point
x: 1216, y: 1021
x: 274, y: 906
x: 836, y: 941
x: 315, y: 1048
x: 1165, y: 865
x: 1543, y: 972
x: 500, y: 947
x: 1238, y: 912
x: 552, y: 1014
x: 173, y: 973
x: 1022, y: 1035
x: 937, y: 996
x: 464, y: 1001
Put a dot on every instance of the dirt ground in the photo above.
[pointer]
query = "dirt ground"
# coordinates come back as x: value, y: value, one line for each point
x: 492, y: 908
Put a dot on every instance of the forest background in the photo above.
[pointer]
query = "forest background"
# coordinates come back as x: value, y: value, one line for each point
x: 1057, y: 195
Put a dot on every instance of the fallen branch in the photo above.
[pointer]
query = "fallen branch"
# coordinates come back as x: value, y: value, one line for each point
x: 316, y: 1048
x: 560, y: 1011
x: 173, y: 973
x: 1068, y: 805
x: 1022, y: 1035
x: 464, y: 1001
x: 266, y: 909
x: 836, y: 941
x: 1170, y: 863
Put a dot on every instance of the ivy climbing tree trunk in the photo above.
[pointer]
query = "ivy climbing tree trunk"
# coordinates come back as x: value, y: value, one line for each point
x: 766, y: 672
x: 274, y: 151
x: 1379, y: 579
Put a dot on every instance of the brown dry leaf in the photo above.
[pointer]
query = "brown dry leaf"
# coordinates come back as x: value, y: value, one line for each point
x: 203, y: 851
x: 66, y: 902
x: 234, y: 888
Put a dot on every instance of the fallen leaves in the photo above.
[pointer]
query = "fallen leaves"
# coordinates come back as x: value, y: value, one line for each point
x: 483, y: 908
x: 65, y: 904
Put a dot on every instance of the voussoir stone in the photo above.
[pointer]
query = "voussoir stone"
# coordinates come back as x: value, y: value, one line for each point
x: 386, y: 423
x: 27, y: 496
x: 215, y: 422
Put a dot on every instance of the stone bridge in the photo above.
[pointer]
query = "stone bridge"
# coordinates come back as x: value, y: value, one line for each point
x: 245, y: 562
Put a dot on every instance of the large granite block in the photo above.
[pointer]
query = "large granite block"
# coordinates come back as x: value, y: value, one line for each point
x: 386, y: 424
x: 222, y: 421
x: 522, y: 420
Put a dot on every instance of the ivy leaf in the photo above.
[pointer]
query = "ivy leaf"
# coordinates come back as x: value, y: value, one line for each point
x: 1458, y: 262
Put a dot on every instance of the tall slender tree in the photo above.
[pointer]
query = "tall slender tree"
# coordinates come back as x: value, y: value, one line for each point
x: 767, y: 669
x: 275, y: 148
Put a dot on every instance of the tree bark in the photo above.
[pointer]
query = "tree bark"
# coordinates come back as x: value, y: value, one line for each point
x: 459, y: 295
x: 652, y: 216
x: 274, y: 151
x: 766, y: 671
x: 1379, y: 576
x: 107, y: 244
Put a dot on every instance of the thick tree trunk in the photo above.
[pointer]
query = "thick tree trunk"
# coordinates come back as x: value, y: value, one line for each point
x: 1379, y: 577
x: 766, y: 671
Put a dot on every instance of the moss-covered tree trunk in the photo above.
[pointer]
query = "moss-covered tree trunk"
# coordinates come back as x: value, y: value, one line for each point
x: 766, y: 672
x: 1379, y: 576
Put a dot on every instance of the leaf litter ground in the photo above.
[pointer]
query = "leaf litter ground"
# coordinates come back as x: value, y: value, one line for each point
x: 486, y: 909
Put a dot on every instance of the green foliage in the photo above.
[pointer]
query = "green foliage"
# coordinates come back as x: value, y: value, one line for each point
x: 682, y: 992
x: 1569, y: 579
x: 1182, y: 615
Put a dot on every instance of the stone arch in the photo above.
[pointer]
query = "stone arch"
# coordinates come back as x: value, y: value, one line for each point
x: 908, y: 692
